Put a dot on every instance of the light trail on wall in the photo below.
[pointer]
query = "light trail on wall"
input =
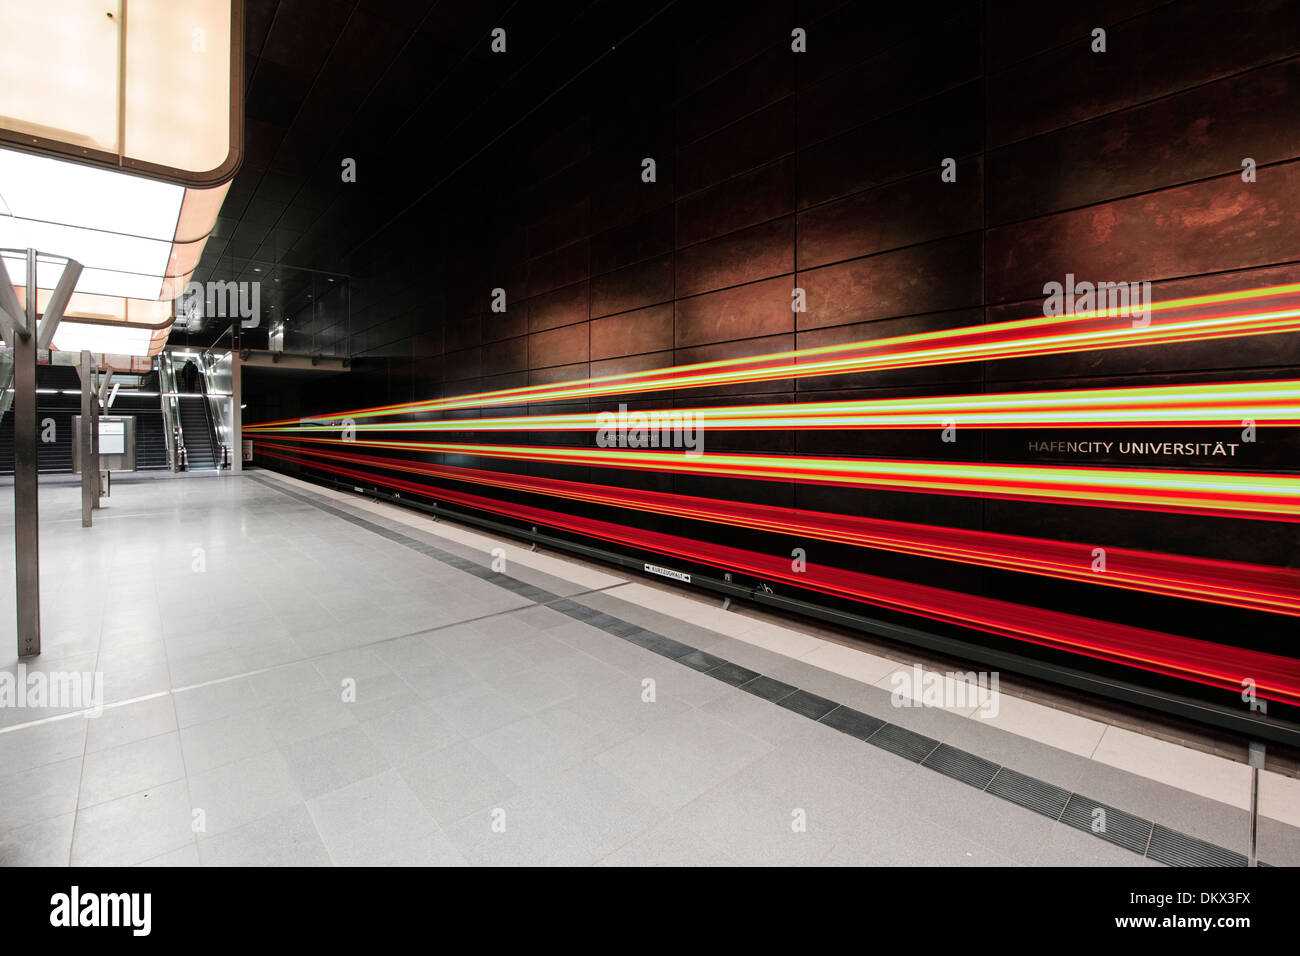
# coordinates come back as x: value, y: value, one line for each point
x: 1080, y: 331
x: 1205, y: 405
x: 1248, y: 495
x: 1248, y: 586
x: 1215, y: 665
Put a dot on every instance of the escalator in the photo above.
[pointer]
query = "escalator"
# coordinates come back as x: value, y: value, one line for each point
x: 188, y: 419
x: 197, y: 433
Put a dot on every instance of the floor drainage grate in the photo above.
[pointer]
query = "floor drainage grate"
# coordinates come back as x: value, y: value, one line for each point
x: 1030, y: 793
x: 958, y: 764
x: 623, y: 628
x: 852, y: 722
x: 1178, y: 849
x: 1107, y: 823
x: 807, y: 705
x: 664, y: 646
x: 767, y: 688
x: 904, y: 743
x: 733, y: 674
x: 700, y: 661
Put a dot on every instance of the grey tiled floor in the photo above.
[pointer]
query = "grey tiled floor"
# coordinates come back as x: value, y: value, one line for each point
x: 485, y: 729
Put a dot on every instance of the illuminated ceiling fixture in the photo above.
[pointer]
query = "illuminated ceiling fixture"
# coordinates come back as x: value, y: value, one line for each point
x: 120, y: 136
x: 154, y: 87
x: 137, y: 238
x: 114, y: 339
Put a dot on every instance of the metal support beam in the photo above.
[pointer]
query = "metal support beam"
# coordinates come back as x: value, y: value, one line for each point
x: 12, y: 316
x: 26, y: 516
x: 89, y: 476
x: 58, y: 302
x: 103, y: 387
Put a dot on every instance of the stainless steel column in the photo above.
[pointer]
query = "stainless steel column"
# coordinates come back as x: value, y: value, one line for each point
x: 236, y: 412
x: 26, y: 515
x: 28, y: 340
x: 94, y: 439
x: 89, y: 476
x: 1255, y: 757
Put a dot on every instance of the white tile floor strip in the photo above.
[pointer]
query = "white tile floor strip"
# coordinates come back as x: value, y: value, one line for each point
x: 1215, y: 777
x: 849, y: 662
x: 912, y: 683
x: 1047, y: 725
x: 1279, y: 798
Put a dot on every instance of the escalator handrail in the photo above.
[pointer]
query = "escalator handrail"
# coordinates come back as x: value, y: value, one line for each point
x: 209, y: 420
x: 173, y: 433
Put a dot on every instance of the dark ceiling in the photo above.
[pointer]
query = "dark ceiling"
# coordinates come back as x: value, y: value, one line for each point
x: 407, y: 88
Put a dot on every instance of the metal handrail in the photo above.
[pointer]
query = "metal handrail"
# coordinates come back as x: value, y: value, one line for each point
x: 171, y: 423
x: 218, y: 450
x: 228, y: 330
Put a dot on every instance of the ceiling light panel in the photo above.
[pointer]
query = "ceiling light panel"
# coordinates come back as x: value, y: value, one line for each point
x: 57, y: 191
x: 178, y: 82
x: 115, y: 339
x: 151, y: 85
x: 77, y: 101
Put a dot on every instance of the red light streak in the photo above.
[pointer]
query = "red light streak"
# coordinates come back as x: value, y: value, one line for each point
x: 1243, y: 495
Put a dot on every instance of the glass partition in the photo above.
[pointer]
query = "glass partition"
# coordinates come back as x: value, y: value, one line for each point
x: 218, y: 384
x: 244, y: 304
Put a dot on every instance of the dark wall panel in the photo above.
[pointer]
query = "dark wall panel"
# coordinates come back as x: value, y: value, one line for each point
x: 1214, y: 226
